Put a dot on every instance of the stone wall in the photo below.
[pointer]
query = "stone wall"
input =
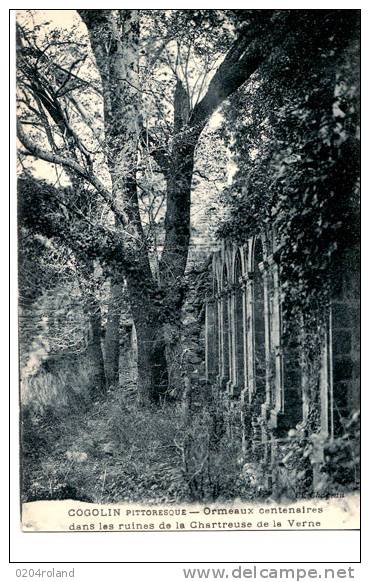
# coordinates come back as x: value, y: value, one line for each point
x: 193, y: 337
x: 345, y: 341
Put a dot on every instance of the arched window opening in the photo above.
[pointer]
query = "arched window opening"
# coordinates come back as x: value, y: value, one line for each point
x: 292, y: 377
x: 211, y: 336
x: 239, y: 324
x: 259, y: 320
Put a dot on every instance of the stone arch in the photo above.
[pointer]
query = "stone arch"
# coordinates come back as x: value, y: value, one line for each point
x: 232, y: 255
x: 224, y: 275
x: 217, y: 272
x: 238, y: 265
x: 259, y: 245
x: 244, y: 258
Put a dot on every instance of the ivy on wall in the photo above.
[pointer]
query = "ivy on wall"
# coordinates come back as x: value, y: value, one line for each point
x: 296, y: 147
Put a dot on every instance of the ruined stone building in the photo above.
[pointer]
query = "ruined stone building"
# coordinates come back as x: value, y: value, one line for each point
x: 261, y: 374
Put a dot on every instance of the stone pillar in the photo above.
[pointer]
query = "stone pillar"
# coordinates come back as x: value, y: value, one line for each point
x: 276, y: 347
x: 230, y: 306
x: 244, y: 396
x: 326, y: 383
x: 259, y: 360
x: 251, y: 384
x: 244, y: 378
x: 225, y: 339
x: 218, y: 302
x: 276, y: 388
x: 270, y: 339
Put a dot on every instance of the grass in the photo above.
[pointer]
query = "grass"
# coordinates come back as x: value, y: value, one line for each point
x: 113, y: 451
x: 109, y: 452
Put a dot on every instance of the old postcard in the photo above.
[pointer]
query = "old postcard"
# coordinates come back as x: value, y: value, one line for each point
x: 188, y: 266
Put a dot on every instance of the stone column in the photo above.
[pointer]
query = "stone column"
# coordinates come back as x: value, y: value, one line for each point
x: 243, y: 286
x: 244, y: 396
x: 269, y: 313
x: 276, y: 386
x: 251, y: 384
x: 210, y: 340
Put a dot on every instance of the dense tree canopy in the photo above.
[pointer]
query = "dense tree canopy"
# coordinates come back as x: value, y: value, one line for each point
x: 295, y: 134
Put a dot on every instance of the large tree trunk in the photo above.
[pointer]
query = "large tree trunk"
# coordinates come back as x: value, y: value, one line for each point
x: 177, y: 222
x: 148, y: 319
x: 114, y: 37
x: 118, y: 63
x: 151, y: 361
x: 112, y: 334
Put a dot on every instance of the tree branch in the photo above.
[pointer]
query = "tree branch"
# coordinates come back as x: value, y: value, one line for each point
x: 244, y: 57
x: 70, y: 164
x: 157, y: 151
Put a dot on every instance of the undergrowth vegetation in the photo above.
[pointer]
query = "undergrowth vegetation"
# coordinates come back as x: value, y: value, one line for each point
x: 112, y: 451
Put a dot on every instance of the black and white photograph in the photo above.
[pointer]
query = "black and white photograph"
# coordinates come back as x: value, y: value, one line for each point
x: 188, y: 191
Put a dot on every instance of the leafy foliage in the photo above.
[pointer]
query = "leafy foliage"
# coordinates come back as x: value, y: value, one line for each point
x: 297, y: 152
